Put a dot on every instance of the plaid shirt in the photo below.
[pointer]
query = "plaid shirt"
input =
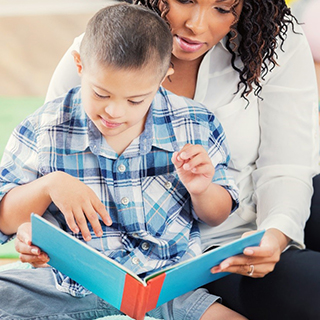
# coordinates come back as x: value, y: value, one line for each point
x: 153, y: 219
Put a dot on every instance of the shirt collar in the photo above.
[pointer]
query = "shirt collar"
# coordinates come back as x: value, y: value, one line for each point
x: 77, y: 139
x: 83, y: 134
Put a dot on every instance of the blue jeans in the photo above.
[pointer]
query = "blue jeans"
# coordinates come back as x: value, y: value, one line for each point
x: 31, y: 294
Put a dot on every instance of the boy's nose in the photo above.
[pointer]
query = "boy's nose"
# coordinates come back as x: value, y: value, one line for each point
x: 114, y: 110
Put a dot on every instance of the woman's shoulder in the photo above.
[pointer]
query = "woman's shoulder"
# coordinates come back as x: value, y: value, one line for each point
x: 77, y: 41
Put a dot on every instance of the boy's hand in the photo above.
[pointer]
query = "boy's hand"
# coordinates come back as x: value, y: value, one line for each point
x: 194, y: 168
x: 78, y: 203
x: 28, y: 252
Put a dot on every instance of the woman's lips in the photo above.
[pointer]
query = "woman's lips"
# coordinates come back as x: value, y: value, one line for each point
x: 110, y: 124
x: 188, y: 45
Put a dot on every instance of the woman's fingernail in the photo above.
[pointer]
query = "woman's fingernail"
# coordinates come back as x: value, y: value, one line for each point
x: 224, y: 265
x: 215, y: 269
x: 248, y: 251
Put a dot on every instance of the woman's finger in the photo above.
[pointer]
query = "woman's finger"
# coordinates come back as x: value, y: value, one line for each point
x: 251, y: 270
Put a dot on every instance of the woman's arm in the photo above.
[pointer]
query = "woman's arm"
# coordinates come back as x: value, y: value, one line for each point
x: 289, y: 142
x: 287, y: 158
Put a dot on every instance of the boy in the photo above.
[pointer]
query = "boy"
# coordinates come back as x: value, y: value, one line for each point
x: 120, y: 163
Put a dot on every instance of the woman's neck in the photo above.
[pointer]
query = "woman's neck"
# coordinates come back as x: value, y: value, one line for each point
x: 184, y: 80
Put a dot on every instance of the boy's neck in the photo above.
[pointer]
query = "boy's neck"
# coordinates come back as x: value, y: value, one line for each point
x: 120, y: 142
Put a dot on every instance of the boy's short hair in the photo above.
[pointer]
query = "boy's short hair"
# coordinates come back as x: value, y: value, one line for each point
x: 127, y: 36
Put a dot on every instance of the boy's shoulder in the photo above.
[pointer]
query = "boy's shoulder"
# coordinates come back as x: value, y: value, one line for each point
x: 58, y: 112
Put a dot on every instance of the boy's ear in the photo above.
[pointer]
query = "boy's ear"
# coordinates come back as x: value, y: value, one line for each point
x: 169, y: 73
x: 77, y: 61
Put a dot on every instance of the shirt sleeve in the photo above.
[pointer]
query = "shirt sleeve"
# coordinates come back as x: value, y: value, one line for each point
x: 19, y: 164
x: 65, y: 75
x: 220, y: 156
x: 289, y: 145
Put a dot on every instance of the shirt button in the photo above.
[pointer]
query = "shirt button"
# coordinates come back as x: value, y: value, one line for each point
x: 135, y: 260
x: 145, y: 246
x: 168, y: 185
x: 122, y: 168
x: 125, y: 201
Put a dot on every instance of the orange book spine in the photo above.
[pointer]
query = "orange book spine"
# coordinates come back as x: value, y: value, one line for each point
x: 138, y: 299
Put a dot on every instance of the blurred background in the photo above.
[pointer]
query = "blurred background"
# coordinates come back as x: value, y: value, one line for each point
x: 34, y: 35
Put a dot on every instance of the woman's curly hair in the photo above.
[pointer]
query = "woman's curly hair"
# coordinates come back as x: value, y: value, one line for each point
x: 254, y: 37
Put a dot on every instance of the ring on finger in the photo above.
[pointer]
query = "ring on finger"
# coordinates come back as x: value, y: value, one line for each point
x: 251, y: 270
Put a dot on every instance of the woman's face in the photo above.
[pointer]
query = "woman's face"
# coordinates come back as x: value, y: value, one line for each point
x: 198, y: 25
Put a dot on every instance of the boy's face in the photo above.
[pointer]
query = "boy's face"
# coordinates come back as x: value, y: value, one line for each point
x: 118, y: 100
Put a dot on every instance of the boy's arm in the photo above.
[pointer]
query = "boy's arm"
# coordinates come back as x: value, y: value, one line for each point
x: 212, y: 202
x: 212, y: 206
x: 17, y: 205
x: 23, y: 192
x: 75, y: 200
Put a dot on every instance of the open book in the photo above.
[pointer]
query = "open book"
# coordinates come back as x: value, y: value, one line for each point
x: 118, y: 285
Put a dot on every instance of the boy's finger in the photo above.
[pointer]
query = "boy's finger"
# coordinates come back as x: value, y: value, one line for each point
x: 23, y: 237
x: 103, y: 213
x: 202, y: 164
x: 24, y: 233
x: 205, y: 170
x: 24, y: 248
x: 178, y: 163
x: 93, y: 218
x: 70, y: 219
x: 82, y: 224
x: 34, y: 260
x: 190, y: 151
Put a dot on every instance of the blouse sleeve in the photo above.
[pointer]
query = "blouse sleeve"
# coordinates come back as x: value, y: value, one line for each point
x: 65, y: 75
x: 289, y: 145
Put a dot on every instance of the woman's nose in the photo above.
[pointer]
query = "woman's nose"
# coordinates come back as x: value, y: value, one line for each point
x: 198, y: 22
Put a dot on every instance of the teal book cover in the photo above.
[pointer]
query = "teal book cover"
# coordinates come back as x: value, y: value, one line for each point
x: 118, y: 285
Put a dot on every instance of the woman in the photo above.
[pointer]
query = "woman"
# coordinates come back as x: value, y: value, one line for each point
x: 248, y: 62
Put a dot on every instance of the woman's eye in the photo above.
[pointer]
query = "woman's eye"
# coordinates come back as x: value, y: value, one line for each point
x: 185, y: 1
x: 223, y: 11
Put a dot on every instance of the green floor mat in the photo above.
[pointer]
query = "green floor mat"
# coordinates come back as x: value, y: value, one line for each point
x: 7, y: 251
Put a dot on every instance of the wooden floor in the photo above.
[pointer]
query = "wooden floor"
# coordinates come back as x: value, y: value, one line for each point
x: 7, y: 261
x: 32, y: 45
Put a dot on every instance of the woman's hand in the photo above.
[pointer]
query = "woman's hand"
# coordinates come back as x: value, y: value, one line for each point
x: 78, y: 203
x: 256, y: 261
x: 28, y: 252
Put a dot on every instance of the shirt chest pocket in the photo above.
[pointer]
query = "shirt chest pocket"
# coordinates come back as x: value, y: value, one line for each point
x: 164, y: 197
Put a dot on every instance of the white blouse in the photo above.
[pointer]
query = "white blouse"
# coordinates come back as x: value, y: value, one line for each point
x: 273, y: 142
